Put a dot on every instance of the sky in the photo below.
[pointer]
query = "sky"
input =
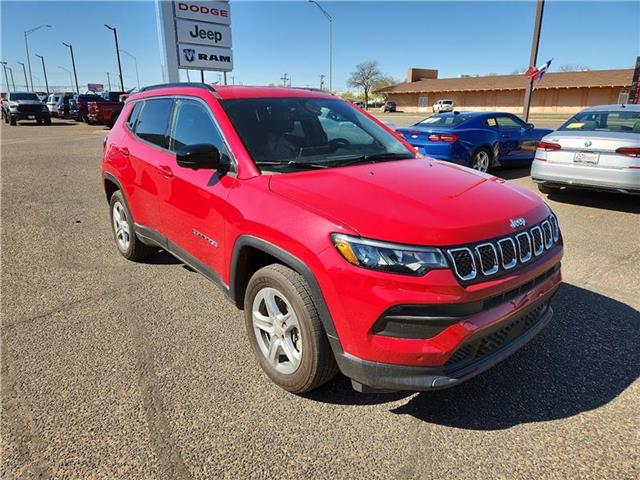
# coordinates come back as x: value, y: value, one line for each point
x: 271, y: 38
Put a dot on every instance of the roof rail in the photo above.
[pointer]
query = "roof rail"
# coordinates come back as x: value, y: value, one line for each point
x: 312, y: 89
x: 178, y: 84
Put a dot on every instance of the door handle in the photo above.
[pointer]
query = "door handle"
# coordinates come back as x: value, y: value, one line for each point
x: 165, y: 170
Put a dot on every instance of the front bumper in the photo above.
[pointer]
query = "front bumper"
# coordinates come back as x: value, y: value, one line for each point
x: 626, y: 180
x: 477, y: 354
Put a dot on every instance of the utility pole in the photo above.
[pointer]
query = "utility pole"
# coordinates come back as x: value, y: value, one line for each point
x: 135, y: 62
x: 322, y: 82
x: 284, y: 79
x: 233, y: 80
x: 109, y: 81
x: 13, y: 83
x: 24, y: 70
x: 115, y: 35
x: 26, y: 44
x: 330, y: 19
x: 6, y: 77
x: 44, y: 69
x: 73, y: 63
x: 535, y: 43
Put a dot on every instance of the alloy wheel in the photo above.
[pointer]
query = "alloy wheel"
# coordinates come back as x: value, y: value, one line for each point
x: 277, y: 330
x: 481, y: 161
x: 121, y: 226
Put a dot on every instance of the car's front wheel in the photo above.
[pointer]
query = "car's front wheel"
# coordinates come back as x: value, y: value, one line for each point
x: 124, y: 234
x: 285, y: 330
x: 481, y: 160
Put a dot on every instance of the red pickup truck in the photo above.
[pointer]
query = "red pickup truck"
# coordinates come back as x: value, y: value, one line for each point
x: 106, y: 113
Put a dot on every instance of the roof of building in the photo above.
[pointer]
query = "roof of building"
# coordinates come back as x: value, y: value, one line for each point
x: 590, y: 78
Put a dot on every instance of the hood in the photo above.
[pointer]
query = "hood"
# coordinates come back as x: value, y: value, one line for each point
x: 421, y: 201
x: 26, y: 102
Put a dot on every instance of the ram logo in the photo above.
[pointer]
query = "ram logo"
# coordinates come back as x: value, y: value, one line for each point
x: 189, y: 54
x: 517, y: 222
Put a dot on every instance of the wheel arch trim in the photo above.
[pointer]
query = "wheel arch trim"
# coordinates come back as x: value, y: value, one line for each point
x: 291, y: 261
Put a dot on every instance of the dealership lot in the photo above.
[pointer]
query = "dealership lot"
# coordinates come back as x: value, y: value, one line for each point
x: 118, y: 370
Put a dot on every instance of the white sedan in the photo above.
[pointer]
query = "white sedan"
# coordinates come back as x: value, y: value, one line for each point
x: 598, y: 148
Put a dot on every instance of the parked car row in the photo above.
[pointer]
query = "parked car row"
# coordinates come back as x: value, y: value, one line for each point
x: 92, y: 108
x: 597, y: 148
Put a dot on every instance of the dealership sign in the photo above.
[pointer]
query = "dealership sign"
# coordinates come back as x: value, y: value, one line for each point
x: 194, y: 35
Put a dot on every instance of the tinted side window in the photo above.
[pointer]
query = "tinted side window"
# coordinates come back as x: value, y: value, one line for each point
x: 509, y: 122
x: 133, y: 116
x: 153, y: 122
x: 193, y: 124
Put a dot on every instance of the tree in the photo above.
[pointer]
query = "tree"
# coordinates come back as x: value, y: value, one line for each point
x: 365, y: 76
x: 384, y: 82
x: 573, y: 67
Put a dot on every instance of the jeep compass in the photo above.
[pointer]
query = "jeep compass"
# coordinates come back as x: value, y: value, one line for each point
x: 345, y: 248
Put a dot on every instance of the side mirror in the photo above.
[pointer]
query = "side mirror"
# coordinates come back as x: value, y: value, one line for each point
x: 530, y: 126
x: 200, y: 156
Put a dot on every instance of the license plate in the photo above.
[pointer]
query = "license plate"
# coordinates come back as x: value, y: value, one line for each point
x: 586, y: 158
x: 31, y: 117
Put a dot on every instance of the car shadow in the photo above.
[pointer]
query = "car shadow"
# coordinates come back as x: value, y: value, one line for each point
x: 162, y: 257
x: 587, y: 356
x: 590, y: 198
x: 53, y: 124
x: 512, y: 173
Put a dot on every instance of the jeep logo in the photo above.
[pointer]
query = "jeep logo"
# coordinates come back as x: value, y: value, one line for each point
x: 517, y: 222
x: 189, y: 54
x: 206, y: 34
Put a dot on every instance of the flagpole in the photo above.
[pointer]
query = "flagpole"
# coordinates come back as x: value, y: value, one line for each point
x: 535, y: 42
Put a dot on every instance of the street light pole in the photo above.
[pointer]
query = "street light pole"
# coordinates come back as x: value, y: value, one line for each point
x: 13, y: 83
x: 135, y: 62
x: 115, y: 35
x: 26, y: 44
x: 44, y: 69
x: 535, y: 43
x: 6, y: 77
x: 109, y: 81
x: 330, y: 19
x: 73, y: 63
x: 24, y: 70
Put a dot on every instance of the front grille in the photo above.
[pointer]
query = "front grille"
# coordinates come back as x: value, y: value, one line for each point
x: 483, y: 260
x: 29, y: 109
x: 478, y: 348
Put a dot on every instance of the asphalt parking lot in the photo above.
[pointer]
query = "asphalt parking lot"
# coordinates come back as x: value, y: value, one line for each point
x: 112, y: 369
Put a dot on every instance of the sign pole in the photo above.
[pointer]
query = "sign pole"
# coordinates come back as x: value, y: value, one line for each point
x: 166, y: 41
x: 535, y: 43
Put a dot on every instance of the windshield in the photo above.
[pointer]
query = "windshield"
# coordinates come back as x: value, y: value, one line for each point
x: 604, y: 121
x: 287, y: 134
x: 447, y: 120
x: 24, y: 96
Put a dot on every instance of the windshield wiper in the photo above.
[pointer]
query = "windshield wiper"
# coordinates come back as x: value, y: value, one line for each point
x: 377, y: 157
x: 293, y: 164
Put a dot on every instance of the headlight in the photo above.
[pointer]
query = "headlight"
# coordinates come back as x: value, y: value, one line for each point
x: 13, y: 104
x: 388, y: 257
x: 44, y: 108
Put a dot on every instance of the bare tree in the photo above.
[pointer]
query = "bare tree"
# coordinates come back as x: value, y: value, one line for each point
x: 383, y: 82
x: 365, y: 76
x: 573, y: 67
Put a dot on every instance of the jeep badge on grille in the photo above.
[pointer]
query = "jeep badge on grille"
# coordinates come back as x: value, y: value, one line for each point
x: 517, y: 222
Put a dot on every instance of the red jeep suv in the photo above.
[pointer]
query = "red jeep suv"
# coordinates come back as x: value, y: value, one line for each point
x: 345, y: 248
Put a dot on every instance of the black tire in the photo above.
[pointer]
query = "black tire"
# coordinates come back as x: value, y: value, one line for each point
x: 13, y: 121
x: 475, y: 159
x: 317, y: 363
x: 112, y: 122
x: 546, y: 189
x: 47, y: 121
x: 39, y: 120
x: 135, y: 250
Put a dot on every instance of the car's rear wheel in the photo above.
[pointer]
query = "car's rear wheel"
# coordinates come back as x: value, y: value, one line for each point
x: 129, y: 245
x: 481, y: 160
x: 285, y: 330
x: 13, y: 120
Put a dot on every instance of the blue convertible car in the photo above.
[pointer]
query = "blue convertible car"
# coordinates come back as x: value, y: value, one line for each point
x: 479, y: 140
